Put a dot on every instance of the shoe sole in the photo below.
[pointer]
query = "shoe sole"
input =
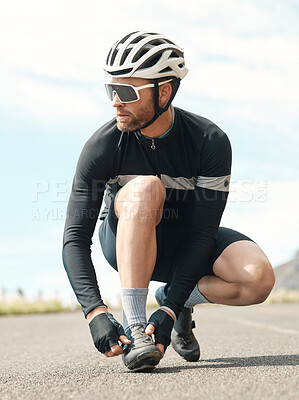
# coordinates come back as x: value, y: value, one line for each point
x: 188, y: 355
x: 191, y: 357
x: 145, y: 361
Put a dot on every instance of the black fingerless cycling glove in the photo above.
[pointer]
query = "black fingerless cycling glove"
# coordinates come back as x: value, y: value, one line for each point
x: 163, y: 324
x: 105, y: 331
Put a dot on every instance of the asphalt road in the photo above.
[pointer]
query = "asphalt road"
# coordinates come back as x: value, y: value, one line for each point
x: 247, y: 353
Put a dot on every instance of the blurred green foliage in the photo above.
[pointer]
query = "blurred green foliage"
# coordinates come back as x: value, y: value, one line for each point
x: 23, y: 306
x: 283, y: 296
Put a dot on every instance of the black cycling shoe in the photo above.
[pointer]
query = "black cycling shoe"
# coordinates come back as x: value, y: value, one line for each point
x: 141, y: 354
x: 182, y: 338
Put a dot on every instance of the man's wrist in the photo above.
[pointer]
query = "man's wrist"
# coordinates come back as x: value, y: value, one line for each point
x: 169, y: 311
x: 96, y: 311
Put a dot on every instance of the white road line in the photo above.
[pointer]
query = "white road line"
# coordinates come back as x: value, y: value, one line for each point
x: 269, y: 327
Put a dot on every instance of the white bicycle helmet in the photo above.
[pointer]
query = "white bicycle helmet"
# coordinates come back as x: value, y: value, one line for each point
x: 145, y: 55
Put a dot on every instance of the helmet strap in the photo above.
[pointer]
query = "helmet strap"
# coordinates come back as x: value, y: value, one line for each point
x: 160, y: 110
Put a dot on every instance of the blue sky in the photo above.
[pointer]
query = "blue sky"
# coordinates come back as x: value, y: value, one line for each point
x: 243, y: 62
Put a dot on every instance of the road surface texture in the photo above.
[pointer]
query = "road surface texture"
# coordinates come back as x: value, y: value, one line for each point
x: 247, y: 353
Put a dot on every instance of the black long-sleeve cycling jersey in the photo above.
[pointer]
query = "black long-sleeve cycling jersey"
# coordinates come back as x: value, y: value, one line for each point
x: 193, y: 161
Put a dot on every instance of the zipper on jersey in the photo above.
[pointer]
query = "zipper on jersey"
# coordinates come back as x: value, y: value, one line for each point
x: 153, y: 147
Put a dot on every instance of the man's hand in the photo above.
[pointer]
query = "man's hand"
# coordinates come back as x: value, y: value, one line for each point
x: 106, y: 333
x: 160, y: 323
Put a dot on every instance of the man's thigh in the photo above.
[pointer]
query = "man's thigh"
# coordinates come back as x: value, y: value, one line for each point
x: 237, y: 257
x: 169, y: 241
x: 226, y: 237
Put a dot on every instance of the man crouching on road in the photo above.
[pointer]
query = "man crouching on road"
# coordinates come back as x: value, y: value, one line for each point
x: 165, y: 173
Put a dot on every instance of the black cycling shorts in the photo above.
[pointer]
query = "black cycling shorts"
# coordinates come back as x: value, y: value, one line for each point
x: 168, y: 240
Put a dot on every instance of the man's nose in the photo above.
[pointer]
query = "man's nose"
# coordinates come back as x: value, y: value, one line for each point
x: 116, y: 102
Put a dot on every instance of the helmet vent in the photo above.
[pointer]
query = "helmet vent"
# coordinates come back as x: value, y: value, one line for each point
x: 174, y: 54
x: 108, y: 56
x: 153, y: 60
x: 126, y: 37
x: 156, y: 42
x: 121, y: 72
x: 114, y: 54
x: 137, y: 40
x: 125, y: 55
x: 167, y: 69
x: 140, y: 53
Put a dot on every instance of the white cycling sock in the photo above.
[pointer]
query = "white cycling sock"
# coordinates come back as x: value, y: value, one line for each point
x: 195, y: 298
x: 134, y: 307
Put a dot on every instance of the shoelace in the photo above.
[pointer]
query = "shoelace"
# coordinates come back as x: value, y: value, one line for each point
x: 139, y: 336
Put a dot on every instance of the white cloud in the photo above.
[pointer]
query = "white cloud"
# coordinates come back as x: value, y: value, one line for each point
x: 50, y: 101
x: 255, y: 68
x: 46, y: 38
x: 69, y: 40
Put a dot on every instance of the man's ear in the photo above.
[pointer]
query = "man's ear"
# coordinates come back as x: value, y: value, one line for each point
x: 164, y: 94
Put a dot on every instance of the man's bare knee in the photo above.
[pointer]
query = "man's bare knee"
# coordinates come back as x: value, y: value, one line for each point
x: 149, y: 188
x: 142, y: 197
x: 261, y: 283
